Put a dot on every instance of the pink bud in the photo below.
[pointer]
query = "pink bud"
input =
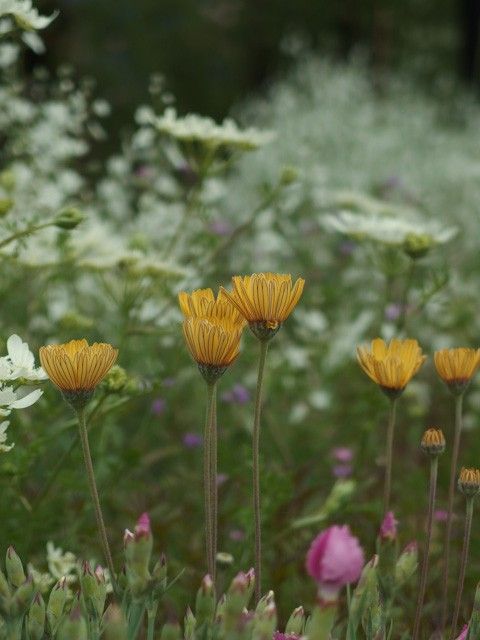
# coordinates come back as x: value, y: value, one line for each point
x: 143, y: 526
x: 100, y: 574
x: 128, y: 537
x: 335, y: 558
x: 463, y: 635
x: 388, y: 529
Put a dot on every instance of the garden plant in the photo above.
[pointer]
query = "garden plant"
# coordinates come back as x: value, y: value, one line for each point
x: 324, y: 461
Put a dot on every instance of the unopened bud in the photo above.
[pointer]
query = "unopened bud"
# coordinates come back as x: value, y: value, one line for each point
x: 56, y: 605
x: 388, y: 529
x: 74, y: 627
x: 69, y: 218
x: 469, y: 482
x: 296, y: 622
x: 36, y: 618
x: 205, y: 601
x: 22, y: 597
x: 407, y: 564
x: 171, y: 631
x: 15, y: 573
x: 138, y: 551
x: 265, y: 622
x: 417, y: 245
x: 189, y: 625
x: 433, y: 442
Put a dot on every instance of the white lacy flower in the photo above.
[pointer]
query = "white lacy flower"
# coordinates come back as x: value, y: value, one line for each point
x: 26, y: 16
x: 60, y: 564
x: 3, y: 437
x: 387, y: 229
x: 193, y: 127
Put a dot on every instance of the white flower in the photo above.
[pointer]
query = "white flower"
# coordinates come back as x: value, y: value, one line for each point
x: 388, y: 229
x: 26, y: 16
x: 60, y: 564
x: 13, y: 399
x: 21, y: 361
x: 3, y: 437
x: 193, y: 127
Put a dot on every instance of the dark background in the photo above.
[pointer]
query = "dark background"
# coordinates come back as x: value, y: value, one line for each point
x: 214, y: 54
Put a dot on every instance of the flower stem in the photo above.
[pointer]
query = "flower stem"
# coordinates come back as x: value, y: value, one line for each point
x: 213, y: 479
x: 207, y: 478
x: 256, y: 470
x: 94, y: 493
x: 463, y: 564
x: 451, y: 496
x: 389, y: 455
x: 423, y: 578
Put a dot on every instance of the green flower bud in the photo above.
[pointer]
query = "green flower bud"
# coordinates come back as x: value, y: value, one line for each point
x: 264, y: 602
x: 56, y: 605
x: 5, y: 591
x: 115, y: 380
x: 15, y: 573
x: 160, y: 575
x: 36, y: 618
x: 94, y: 590
x: 74, y: 627
x: 115, y: 624
x: 296, y: 622
x: 69, y: 218
x: 417, y: 246
x: 205, y: 601
x: 365, y: 592
x: 171, y: 631
x: 265, y: 622
x: 5, y: 205
x: 407, y: 564
x: 321, y: 621
x: 189, y: 625
x: 138, y: 551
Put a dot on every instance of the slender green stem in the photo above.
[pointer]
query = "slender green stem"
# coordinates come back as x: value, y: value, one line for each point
x: 24, y: 232
x: 213, y: 478
x: 94, y: 493
x: 207, y: 478
x: 151, y: 616
x: 423, y: 579
x: 256, y: 470
x: 463, y: 564
x: 451, y: 496
x: 389, y: 455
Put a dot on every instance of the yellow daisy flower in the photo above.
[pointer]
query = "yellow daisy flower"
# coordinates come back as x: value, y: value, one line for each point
x: 456, y: 367
x: 202, y: 303
x: 265, y: 300
x: 77, y: 367
x: 392, y: 365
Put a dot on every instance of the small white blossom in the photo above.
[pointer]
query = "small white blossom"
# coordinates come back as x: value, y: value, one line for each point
x: 61, y: 564
x: 26, y: 16
x: 193, y: 127
x: 20, y: 362
x: 3, y: 437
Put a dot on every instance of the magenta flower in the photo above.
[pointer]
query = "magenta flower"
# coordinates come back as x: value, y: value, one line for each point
x: 342, y: 471
x: 463, y: 635
x: 440, y: 515
x: 388, y: 529
x: 335, y: 558
x: 142, y: 527
x: 192, y: 440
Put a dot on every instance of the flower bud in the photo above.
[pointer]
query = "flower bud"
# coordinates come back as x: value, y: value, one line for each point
x: 115, y: 624
x: 469, y: 482
x: 388, y: 528
x: 265, y: 622
x: 94, y: 590
x: 22, y: 598
x: 365, y: 591
x: 433, y: 442
x: 138, y: 551
x: 160, y: 574
x: 288, y: 176
x: 36, y: 618
x: 189, y: 625
x: 296, y: 621
x: 407, y: 564
x: 205, y: 601
x: 238, y: 594
x: 69, y: 218
x: 56, y: 605
x: 74, y: 627
x: 417, y: 245
x: 15, y: 573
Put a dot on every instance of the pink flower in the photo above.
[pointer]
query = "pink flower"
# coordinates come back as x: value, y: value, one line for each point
x: 335, y: 558
x: 388, y: 530
x: 143, y: 526
x: 342, y: 454
x: 440, y: 515
x: 463, y: 635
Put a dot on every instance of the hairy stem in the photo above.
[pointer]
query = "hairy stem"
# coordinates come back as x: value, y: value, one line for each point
x: 256, y: 471
x: 213, y: 478
x: 423, y: 578
x: 463, y: 564
x: 451, y: 496
x: 207, y: 480
x: 94, y: 494
x: 389, y: 455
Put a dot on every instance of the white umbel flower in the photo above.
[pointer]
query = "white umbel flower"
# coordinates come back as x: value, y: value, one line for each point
x: 26, y: 16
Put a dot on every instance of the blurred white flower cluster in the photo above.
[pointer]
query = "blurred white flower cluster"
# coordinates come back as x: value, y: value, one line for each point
x: 26, y: 16
x: 18, y: 366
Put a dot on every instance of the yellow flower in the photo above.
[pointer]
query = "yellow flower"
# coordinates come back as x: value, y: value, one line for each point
x: 469, y: 481
x: 391, y: 366
x: 265, y: 300
x: 456, y: 367
x: 433, y: 442
x: 213, y: 345
x: 203, y: 304
x: 77, y: 367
